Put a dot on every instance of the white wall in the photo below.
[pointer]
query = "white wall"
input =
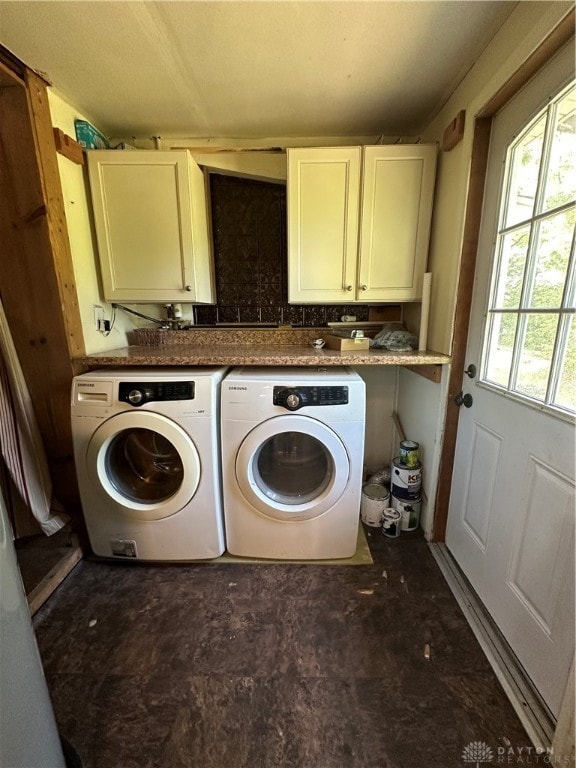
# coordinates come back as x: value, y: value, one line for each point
x: 380, y: 402
x: 421, y: 405
x: 523, y: 31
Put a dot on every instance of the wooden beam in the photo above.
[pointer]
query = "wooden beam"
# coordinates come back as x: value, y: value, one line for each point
x: 454, y: 133
x: 11, y: 66
x: 430, y: 372
x: 36, y: 274
x: 68, y: 147
x: 62, y: 266
x: 8, y: 78
x: 55, y: 577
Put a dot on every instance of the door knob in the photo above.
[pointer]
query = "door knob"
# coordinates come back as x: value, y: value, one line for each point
x: 471, y: 371
x: 462, y: 399
x: 348, y: 287
x: 363, y: 287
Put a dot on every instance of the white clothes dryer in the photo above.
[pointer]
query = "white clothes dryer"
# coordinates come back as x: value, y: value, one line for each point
x: 292, y: 454
x: 147, y: 454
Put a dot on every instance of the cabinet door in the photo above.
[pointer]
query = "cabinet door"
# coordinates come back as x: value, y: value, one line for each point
x: 323, y: 206
x: 398, y: 191
x: 151, y: 226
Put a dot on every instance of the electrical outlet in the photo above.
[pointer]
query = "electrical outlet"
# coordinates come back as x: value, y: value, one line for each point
x: 104, y: 326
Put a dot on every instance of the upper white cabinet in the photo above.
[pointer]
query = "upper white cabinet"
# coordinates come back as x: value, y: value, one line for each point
x: 359, y: 222
x: 152, y: 226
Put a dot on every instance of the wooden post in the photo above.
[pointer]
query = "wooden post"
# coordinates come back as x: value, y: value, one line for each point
x: 36, y: 273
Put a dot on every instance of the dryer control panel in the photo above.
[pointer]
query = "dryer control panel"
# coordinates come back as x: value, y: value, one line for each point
x: 139, y: 392
x: 294, y: 398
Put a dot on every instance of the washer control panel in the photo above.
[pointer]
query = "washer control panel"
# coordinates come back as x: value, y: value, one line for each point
x: 141, y: 392
x: 294, y: 398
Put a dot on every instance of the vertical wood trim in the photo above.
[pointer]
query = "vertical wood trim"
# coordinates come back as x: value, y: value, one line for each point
x: 56, y: 216
x: 36, y: 273
x: 480, y: 146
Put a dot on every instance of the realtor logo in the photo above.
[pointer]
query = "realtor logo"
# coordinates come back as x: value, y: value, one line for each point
x: 477, y: 752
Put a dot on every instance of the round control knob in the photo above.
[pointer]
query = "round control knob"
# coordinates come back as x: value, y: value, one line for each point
x: 135, y: 396
x: 140, y: 396
x: 292, y: 401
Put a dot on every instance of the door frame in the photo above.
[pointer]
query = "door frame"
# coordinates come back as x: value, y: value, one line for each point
x: 559, y: 36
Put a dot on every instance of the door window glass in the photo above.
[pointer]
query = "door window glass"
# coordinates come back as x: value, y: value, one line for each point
x: 529, y: 339
x: 143, y: 466
x: 293, y: 468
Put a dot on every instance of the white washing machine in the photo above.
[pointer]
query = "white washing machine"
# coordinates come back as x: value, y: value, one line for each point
x: 146, y: 447
x: 292, y: 454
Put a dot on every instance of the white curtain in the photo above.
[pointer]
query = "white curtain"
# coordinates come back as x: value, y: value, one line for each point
x: 20, y: 441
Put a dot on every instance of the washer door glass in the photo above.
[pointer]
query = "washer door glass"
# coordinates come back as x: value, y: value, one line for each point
x: 146, y: 463
x: 292, y: 468
x: 143, y: 465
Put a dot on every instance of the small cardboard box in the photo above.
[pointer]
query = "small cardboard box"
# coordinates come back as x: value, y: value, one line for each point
x: 347, y: 345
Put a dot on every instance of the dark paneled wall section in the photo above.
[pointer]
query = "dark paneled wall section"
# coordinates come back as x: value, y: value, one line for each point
x: 249, y: 230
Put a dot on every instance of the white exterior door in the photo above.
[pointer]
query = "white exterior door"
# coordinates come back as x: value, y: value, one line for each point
x: 511, y: 517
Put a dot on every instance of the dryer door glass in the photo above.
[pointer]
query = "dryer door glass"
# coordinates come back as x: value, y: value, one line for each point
x: 143, y: 465
x: 293, y: 468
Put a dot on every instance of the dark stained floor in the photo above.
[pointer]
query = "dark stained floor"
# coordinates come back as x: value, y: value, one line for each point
x: 270, y: 666
x: 38, y: 554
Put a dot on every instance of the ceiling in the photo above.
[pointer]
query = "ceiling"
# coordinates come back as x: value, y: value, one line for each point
x: 250, y: 68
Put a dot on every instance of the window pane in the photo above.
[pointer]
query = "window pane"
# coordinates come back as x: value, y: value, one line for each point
x: 536, y: 355
x: 523, y: 171
x: 514, y: 247
x: 566, y: 393
x: 552, y: 255
x: 561, y: 177
x: 500, y: 346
